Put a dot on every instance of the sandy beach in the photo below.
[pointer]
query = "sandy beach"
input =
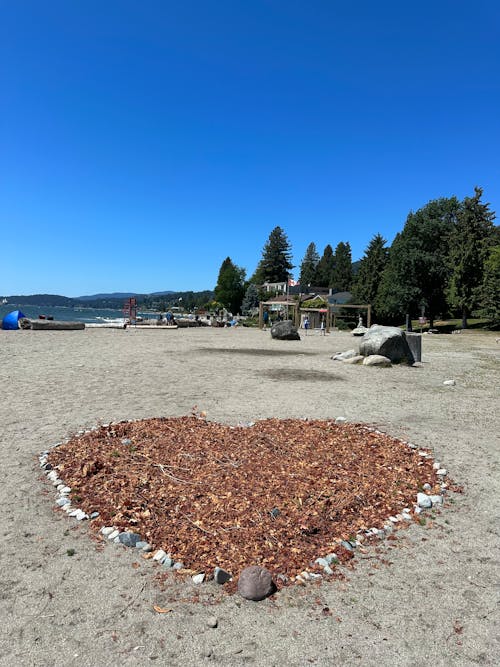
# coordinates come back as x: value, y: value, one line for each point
x: 428, y: 597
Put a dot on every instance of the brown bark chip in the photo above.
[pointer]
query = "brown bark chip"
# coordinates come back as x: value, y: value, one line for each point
x: 280, y: 493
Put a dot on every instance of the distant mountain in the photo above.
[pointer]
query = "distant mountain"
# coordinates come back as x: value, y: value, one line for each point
x: 120, y: 295
x: 41, y: 300
x: 163, y: 299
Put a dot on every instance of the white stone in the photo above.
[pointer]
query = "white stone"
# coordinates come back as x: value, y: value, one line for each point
x: 81, y: 515
x: 394, y: 519
x: 436, y: 500
x: 423, y: 501
x: 107, y: 530
x: 65, y: 490
x: 340, y: 356
x: 449, y: 383
x: 376, y: 360
x: 159, y: 555
x: 427, y: 487
x: 442, y: 471
x: 340, y: 420
x: 198, y: 578
x: 114, y: 534
x: 436, y: 465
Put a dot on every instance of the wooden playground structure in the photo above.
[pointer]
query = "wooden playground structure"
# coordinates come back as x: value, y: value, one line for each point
x: 295, y: 312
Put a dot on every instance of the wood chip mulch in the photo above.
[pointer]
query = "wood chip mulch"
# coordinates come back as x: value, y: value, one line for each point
x: 279, y: 493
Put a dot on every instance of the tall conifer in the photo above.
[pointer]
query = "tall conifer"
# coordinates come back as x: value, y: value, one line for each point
x: 275, y: 264
x: 473, y: 235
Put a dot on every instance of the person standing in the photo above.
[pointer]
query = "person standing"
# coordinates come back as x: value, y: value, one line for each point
x: 306, y: 324
x: 265, y: 318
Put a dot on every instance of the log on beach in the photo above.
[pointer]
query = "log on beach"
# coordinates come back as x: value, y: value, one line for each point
x: 56, y: 325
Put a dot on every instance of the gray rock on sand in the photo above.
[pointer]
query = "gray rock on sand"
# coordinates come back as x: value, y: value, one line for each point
x: 285, y: 330
x: 129, y: 539
x: 221, y: 576
x: 389, y: 342
x: 376, y: 360
x: 255, y: 583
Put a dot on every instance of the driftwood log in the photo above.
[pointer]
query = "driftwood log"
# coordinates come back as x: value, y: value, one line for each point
x: 56, y: 325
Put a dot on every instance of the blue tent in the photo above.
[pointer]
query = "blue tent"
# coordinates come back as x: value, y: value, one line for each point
x: 11, y: 321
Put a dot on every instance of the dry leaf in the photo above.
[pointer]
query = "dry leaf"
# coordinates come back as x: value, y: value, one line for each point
x: 161, y: 610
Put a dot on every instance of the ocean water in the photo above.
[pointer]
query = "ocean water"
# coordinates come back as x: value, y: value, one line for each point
x: 87, y: 315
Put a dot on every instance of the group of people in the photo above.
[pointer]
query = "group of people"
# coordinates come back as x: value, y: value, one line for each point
x: 169, y: 319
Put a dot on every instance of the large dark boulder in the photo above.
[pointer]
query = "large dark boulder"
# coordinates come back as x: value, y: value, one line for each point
x: 284, y: 331
x: 389, y: 342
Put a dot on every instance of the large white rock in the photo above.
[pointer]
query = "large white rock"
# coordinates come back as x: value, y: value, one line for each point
x: 389, y: 342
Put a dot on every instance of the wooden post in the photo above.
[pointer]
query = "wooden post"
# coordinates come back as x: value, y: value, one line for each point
x: 369, y: 316
x: 261, y: 312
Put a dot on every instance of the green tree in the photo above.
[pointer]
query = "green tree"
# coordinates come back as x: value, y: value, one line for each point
x: 275, y: 264
x: 251, y: 299
x: 230, y: 286
x: 342, y: 268
x: 417, y: 271
x: 490, y: 289
x: 472, y: 237
x: 308, y: 265
x: 324, y: 269
x: 371, y: 268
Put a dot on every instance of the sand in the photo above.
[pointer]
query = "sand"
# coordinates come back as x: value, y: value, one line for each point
x: 429, y: 597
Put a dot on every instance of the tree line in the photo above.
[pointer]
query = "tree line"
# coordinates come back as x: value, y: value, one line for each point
x: 445, y: 261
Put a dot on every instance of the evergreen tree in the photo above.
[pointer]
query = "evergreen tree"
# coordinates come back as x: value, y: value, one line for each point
x: 275, y: 264
x: 324, y: 268
x: 251, y: 299
x: 342, y: 268
x: 469, y: 248
x: 490, y: 290
x: 370, y: 271
x: 417, y: 271
x: 230, y: 286
x: 308, y: 265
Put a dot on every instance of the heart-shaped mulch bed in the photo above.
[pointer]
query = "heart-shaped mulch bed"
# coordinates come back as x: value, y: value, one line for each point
x: 278, y: 493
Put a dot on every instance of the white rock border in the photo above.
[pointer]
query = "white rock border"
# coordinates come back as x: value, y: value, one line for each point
x: 129, y: 539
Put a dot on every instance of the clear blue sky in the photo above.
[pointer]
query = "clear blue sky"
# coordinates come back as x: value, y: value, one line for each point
x: 143, y: 142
